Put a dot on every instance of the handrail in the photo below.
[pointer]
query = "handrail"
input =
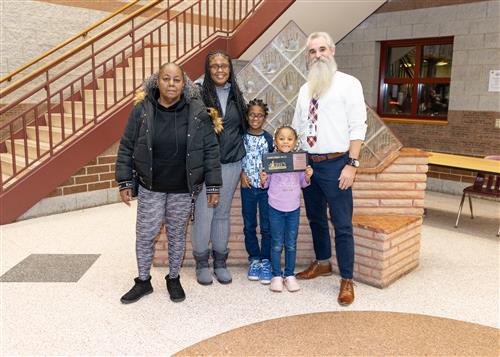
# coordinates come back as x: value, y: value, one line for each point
x: 82, y: 106
x: 78, y: 48
x: 83, y: 33
x: 60, y: 112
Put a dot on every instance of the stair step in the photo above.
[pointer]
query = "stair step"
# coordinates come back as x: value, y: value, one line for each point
x: 43, y: 133
x: 147, y: 64
x: 78, y: 108
x: 56, y: 120
x: 5, y: 177
x: 128, y: 73
x: 7, y: 167
x: 156, y: 51
x: 99, y: 95
x: 31, y: 145
x: 119, y: 84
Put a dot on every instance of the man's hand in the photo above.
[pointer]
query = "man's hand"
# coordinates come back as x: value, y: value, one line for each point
x: 126, y: 196
x: 308, y: 173
x: 213, y: 199
x: 263, y: 178
x: 245, y: 182
x: 346, y: 178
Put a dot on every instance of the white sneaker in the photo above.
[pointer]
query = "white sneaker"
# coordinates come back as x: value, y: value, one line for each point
x: 276, y: 284
x: 291, y: 284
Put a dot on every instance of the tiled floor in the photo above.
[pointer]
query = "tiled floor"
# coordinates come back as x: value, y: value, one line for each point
x: 458, y: 278
x: 50, y: 268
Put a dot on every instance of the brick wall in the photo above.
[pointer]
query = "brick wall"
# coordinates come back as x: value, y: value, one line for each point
x: 476, y: 51
x: 451, y: 174
x: 457, y: 137
x: 98, y: 174
x: 388, y: 206
x: 386, y: 248
x: 398, y: 190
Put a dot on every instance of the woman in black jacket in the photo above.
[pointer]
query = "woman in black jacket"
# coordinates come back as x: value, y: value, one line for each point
x: 169, y: 142
x: 220, y: 91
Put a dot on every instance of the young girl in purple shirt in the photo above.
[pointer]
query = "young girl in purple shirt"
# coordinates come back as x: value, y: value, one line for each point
x: 284, y: 212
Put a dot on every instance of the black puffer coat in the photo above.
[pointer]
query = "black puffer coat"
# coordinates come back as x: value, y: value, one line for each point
x: 136, y: 146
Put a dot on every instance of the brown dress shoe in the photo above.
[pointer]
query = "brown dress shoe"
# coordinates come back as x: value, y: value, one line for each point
x: 314, y: 270
x: 346, y: 294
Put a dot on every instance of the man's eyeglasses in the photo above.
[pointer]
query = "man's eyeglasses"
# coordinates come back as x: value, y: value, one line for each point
x: 256, y: 115
x: 216, y: 67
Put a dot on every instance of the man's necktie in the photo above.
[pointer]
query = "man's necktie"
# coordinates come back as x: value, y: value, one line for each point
x: 312, y: 119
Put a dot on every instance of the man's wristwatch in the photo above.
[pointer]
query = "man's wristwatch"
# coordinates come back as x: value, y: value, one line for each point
x: 353, y: 162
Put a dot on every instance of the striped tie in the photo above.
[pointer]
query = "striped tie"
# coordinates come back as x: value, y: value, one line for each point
x: 312, y: 118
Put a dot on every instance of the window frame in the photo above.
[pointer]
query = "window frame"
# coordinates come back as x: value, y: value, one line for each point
x: 416, y: 82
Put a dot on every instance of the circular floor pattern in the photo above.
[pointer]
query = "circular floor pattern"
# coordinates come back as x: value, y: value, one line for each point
x: 353, y: 333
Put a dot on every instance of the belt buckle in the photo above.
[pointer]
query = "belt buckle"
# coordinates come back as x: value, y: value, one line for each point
x: 317, y: 157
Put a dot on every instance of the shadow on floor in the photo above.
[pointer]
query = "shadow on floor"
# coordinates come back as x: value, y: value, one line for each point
x: 480, y: 227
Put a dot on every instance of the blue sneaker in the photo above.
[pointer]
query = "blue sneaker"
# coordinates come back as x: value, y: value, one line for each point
x: 265, y: 272
x: 254, y: 270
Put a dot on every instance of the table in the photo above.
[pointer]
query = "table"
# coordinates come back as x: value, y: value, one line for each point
x: 464, y: 162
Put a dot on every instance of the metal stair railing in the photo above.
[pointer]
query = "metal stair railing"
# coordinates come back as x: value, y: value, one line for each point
x: 78, y: 97
x: 82, y: 34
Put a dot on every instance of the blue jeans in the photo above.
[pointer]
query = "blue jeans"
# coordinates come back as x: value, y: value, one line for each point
x: 251, y: 198
x: 284, y: 230
x: 324, y: 189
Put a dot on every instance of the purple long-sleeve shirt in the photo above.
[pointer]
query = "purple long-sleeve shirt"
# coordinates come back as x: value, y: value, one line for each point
x: 284, y: 190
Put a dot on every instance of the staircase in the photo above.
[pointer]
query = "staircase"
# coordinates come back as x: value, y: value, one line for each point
x: 77, y: 112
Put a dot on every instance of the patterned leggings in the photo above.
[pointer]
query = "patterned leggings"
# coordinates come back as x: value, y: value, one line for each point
x: 153, y: 209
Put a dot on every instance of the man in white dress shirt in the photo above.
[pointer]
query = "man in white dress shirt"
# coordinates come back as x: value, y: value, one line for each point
x: 330, y: 118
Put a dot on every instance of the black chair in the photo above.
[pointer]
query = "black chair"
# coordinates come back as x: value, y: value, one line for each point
x: 485, y: 185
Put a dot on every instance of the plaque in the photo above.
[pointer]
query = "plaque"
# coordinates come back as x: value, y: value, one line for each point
x: 284, y: 162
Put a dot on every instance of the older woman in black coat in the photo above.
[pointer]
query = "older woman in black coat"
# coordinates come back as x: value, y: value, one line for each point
x: 170, y: 143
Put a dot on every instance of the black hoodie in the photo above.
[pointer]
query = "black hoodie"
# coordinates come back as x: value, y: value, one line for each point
x: 169, y: 148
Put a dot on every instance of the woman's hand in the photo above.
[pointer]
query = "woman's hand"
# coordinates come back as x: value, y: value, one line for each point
x: 308, y: 173
x: 213, y: 199
x: 126, y: 196
x: 245, y: 182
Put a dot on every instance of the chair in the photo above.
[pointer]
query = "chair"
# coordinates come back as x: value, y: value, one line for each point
x: 486, y: 185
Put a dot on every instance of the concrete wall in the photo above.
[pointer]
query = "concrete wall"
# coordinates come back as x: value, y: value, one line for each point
x: 472, y: 112
x: 29, y: 28
x: 336, y: 17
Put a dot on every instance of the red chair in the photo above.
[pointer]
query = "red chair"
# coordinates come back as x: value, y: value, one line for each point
x: 486, y: 185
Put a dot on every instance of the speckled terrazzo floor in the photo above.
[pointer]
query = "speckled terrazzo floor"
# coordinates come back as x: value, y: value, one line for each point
x: 458, y: 278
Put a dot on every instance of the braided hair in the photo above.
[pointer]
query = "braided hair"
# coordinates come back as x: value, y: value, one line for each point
x: 259, y: 103
x: 209, y: 93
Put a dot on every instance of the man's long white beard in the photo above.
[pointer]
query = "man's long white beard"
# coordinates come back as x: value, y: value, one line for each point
x: 320, y: 75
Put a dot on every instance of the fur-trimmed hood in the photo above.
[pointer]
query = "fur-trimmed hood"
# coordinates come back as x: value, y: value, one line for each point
x: 191, y: 91
x: 150, y: 89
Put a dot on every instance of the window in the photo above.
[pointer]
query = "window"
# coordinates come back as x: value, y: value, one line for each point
x: 415, y: 78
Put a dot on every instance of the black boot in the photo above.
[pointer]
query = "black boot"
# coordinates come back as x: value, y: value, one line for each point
x: 175, y: 289
x: 140, y: 289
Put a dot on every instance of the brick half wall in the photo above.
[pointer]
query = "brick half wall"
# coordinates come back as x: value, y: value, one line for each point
x: 386, y: 248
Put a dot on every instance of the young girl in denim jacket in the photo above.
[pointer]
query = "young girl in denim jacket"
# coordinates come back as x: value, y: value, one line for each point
x: 253, y: 197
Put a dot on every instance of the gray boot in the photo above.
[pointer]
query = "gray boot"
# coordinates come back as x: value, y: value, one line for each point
x: 203, y: 275
x: 221, y: 273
